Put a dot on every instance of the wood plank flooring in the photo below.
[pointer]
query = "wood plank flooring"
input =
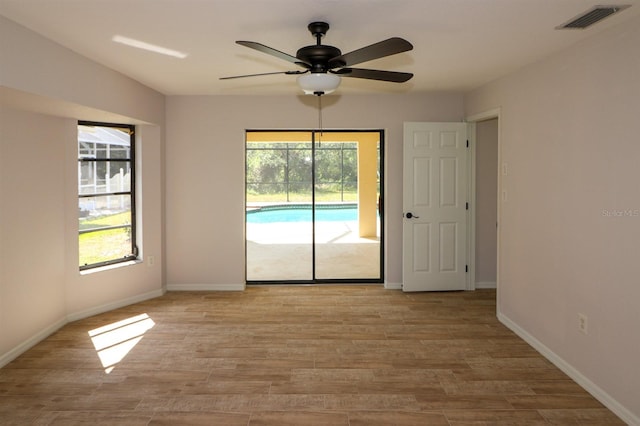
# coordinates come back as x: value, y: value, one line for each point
x: 287, y: 355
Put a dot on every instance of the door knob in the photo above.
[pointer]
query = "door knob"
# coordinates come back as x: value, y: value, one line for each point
x: 410, y: 215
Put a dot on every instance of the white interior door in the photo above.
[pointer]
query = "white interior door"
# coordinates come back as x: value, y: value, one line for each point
x: 435, y: 196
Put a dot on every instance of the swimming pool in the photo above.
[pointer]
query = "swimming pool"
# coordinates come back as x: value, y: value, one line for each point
x: 303, y: 213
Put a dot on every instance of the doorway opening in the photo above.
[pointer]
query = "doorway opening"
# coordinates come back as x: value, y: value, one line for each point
x: 486, y: 203
x: 314, y: 206
x: 489, y: 171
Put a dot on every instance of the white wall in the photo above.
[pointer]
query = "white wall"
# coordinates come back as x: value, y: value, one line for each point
x: 569, y: 134
x: 205, y: 171
x: 38, y: 66
x: 32, y: 267
x: 44, y: 90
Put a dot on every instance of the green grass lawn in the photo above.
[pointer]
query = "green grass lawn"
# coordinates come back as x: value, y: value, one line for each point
x: 101, y: 246
x: 109, y: 220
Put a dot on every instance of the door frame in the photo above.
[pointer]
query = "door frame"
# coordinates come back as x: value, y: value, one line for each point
x: 472, y: 120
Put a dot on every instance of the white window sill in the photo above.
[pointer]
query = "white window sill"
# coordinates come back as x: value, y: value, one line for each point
x: 109, y: 267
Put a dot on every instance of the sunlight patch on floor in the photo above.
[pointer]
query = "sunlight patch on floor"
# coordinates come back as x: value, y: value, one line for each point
x: 114, y: 341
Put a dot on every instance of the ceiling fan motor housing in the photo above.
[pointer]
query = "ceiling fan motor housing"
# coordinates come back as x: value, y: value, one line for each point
x: 318, y: 56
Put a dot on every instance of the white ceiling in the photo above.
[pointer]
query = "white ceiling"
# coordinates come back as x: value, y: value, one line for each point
x: 458, y: 44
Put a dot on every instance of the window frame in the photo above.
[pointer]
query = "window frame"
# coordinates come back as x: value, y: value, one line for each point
x: 131, y: 192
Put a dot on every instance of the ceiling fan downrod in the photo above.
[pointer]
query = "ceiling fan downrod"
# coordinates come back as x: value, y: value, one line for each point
x: 318, y: 55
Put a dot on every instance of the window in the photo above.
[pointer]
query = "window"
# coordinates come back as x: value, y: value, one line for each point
x: 106, y: 194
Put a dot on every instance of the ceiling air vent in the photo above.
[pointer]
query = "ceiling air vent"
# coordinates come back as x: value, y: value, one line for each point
x: 590, y: 17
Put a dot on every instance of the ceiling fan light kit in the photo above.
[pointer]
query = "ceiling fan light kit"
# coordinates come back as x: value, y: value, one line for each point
x: 318, y: 83
x: 324, y: 65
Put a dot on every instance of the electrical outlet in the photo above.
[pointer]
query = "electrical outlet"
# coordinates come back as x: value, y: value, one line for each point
x: 505, y: 169
x: 151, y: 260
x: 583, y: 324
x: 504, y: 196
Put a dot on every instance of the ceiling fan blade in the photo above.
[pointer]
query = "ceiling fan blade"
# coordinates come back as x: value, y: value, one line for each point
x: 264, y: 73
x: 273, y: 52
x: 381, y: 49
x: 393, y: 76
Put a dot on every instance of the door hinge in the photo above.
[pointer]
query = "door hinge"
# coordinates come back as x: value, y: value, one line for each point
x: 467, y: 206
x: 467, y: 143
x: 466, y: 268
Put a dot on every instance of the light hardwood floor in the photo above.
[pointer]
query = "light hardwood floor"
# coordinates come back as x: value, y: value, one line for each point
x: 305, y: 355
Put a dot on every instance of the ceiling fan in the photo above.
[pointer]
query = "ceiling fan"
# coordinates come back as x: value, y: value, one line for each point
x: 324, y: 65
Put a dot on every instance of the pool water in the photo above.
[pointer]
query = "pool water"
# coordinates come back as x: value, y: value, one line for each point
x: 298, y: 214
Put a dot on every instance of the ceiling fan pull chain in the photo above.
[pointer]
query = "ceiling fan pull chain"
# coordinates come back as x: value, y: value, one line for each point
x: 320, y: 114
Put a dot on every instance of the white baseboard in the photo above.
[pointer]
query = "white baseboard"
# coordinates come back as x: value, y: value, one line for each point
x: 597, y: 392
x: 479, y: 285
x: 486, y: 284
x: 43, y: 334
x: 114, y: 305
x: 206, y: 287
x: 31, y: 342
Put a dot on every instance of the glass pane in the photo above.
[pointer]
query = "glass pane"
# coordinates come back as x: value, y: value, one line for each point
x: 105, y: 228
x: 99, y: 177
x: 299, y: 173
x: 105, y: 208
x: 119, y: 152
x: 103, y: 142
x: 347, y: 223
x: 279, y: 230
x: 103, y: 246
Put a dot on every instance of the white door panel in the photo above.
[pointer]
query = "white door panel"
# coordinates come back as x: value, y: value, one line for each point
x: 435, y: 206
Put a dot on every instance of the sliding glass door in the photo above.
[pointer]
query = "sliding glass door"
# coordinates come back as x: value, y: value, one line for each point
x: 312, y: 206
x: 279, y: 195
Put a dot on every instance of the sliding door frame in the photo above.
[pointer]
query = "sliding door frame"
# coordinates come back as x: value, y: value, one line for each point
x: 381, y: 211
